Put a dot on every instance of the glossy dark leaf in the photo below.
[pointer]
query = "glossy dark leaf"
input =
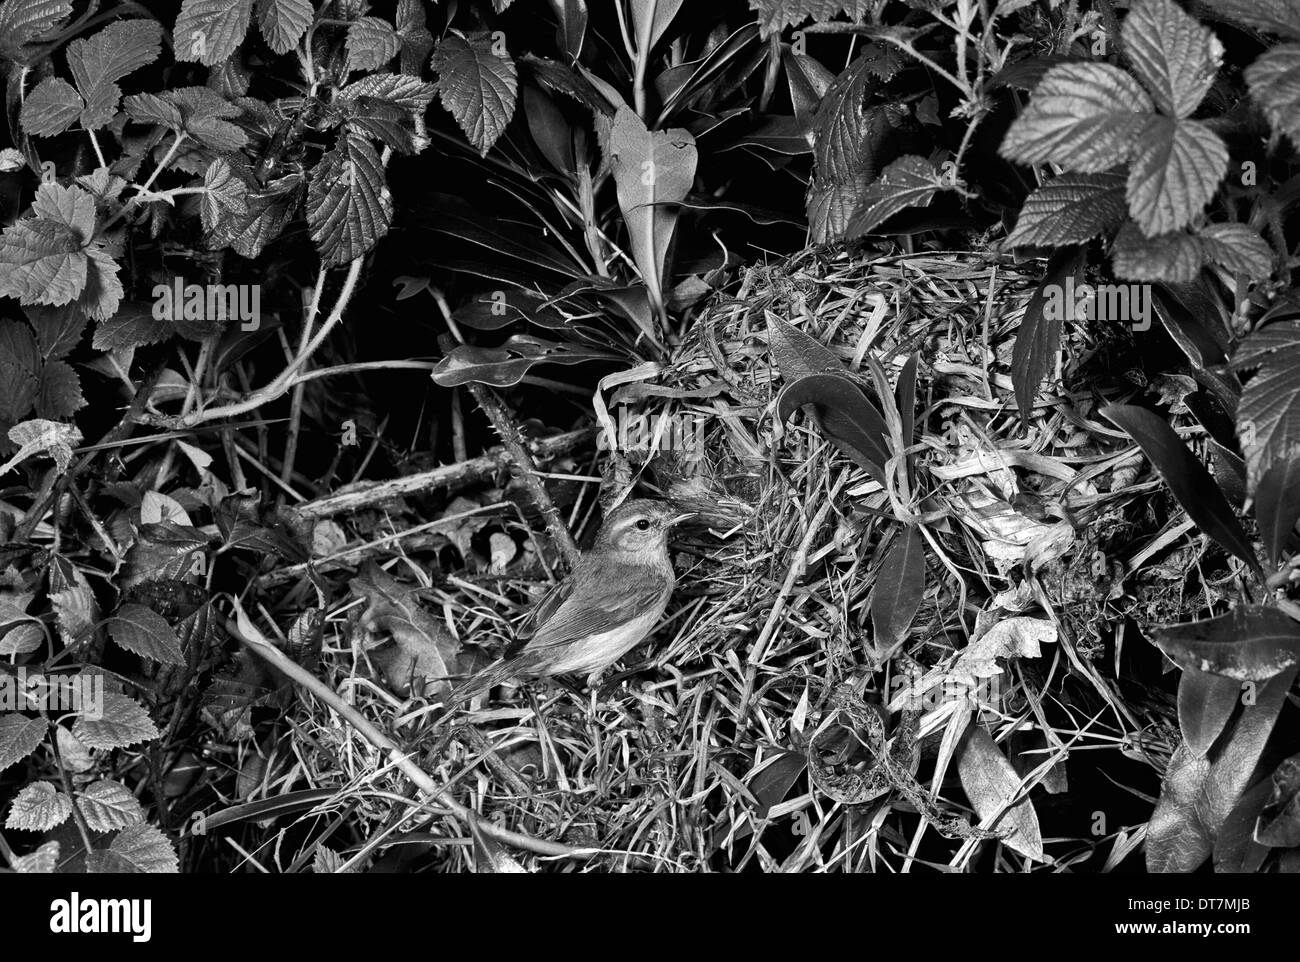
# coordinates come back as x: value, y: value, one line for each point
x: 845, y: 415
x: 1205, y: 703
x: 796, y: 353
x: 1249, y: 643
x: 899, y: 588
x: 1039, y: 337
x: 1186, y: 477
x: 1277, y: 505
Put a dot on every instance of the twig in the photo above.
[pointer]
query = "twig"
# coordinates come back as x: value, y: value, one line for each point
x: 513, y: 442
x: 244, y: 631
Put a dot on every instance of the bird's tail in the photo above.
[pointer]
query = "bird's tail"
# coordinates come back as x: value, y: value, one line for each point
x: 494, y: 674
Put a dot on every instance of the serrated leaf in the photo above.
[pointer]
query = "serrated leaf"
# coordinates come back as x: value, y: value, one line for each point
x: 163, y: 551
x: 132, y: 326
x: 910, y: 181
x: 22, y: 21
x: 42, y: 861
x: 98, y: 62
x: 20, y: 366
x: 225, y: 195
x: 137, y: 848
x: 1268, y: 415
x: 21, y: 639
x: 153, y: 109
x: 477, y: 87
x: 1038, y: 341
x: 41, y: 263
x: 107, y: 806
x: 60, y: 391
x: 898, y: 589
x: 653, y: 171
x: 349, y: 207
x: 121, y: 723
x: 1186, y: 477
x: 1274, y: 80
x: 283, y: 22
x: 1084, y: 116
x: 208, y: 31
x: 19, y: 737
x: 775, y: 15
x: 1070, y: 209
x: 39, y: 807
x: 1275, y: 16
x: 990, y: 782
x: 1177, y: 166
x: 371, y: 43
x: 58, y: 329
x: 1249, y: 643
x: 847, y: 139
x: 51, y: 108
x: 75, y: 756
x: 1237, y: 248
x: 1173, y: 258
x: 1172, y: 54
x: 147, y: 633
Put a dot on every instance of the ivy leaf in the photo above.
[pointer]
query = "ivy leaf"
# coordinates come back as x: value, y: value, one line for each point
x: 1187, y: 478
x: 22, y: 21
x: 50, y: 108
x: 1084, y: 116
x: 1274, y: 81
x: 371, y: 43
x: 283, y: 22
x: 208, y: 31
x: 39, y: 807
x: 1268, y: 416
x: 108, y: 806
x: 123, y: 722
x: 1177, y: 166
x: 1172, y: 54
x: 19, y: 737
x: 910, y: 181
x: 1249, y: 643
x: 477, y: 86
x: 1070, y: 209
x: 97, y: 63
x: 349, y: 207
x: 653, y: 171
x: 146, y: 633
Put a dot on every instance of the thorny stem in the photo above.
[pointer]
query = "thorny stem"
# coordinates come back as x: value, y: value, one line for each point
x: 143, y: 189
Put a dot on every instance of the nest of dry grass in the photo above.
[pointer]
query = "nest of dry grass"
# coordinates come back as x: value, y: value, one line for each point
x: 732, y: 746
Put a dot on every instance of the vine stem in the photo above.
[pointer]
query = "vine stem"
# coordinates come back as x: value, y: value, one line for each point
x: 286, y: 378
x: 244, y: 631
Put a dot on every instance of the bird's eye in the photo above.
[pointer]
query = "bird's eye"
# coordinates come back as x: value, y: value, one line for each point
x: 643, y: 524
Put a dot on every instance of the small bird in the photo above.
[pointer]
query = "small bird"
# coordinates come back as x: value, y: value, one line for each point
x: 608, y: 604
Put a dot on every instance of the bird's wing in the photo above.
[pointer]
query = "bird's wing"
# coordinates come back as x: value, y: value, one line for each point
x: 610, y: 603
x: 542, y: 611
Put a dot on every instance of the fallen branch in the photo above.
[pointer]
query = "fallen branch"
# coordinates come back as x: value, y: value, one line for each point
x: 243, y: 630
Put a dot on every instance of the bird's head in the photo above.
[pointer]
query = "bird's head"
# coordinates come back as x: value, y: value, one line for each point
x: 640, y: 527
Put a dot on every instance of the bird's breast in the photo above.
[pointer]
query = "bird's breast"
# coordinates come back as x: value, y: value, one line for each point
x: 600, y: 650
